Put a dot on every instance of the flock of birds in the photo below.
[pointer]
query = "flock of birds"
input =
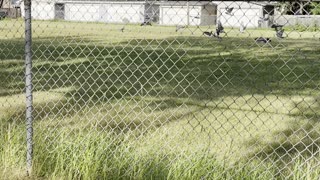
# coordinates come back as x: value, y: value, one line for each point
x: 145, y: 23
x: 220, y: 28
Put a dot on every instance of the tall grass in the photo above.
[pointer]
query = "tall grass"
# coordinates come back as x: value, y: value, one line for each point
x: 112, y: 105
x: 12, y: 152
x: 96, y: 156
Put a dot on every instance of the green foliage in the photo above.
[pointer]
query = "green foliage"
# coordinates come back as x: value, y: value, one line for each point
x: 303, y: 28
x: 283, y: 7
x: 314, y: 27
x: 300, y: 27
x: 290, y: 8
x: 315, y: 8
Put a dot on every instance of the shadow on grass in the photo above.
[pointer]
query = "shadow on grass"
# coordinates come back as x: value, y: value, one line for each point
x: 155, y: 71
x: 296, y: 148
x: 202, y: 69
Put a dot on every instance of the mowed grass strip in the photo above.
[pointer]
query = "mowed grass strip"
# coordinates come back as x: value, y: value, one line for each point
x: 152, y: 103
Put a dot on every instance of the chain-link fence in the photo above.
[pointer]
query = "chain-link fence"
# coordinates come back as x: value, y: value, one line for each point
x: 160, y: 89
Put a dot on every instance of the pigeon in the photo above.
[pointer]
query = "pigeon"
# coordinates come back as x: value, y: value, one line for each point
x: 262, y: 40
x: 121, y: 29
x: 196, y: 17
x: 279, y: 33
x: 278, y: 29
x: 208, y: 34
x: 266, y: 18
x: 146, y: 24
x: 229, y: 11
x: 219, y: 29
x: 276, y: 26
x: 178, y: 27
x: 242, y: 27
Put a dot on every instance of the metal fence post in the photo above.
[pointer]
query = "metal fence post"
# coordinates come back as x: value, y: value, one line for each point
x: 28, y: 79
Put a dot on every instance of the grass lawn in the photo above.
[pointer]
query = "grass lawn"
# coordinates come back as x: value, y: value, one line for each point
x: 152, y: 103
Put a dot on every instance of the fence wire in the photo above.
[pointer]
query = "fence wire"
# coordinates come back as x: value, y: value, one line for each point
x: 162, y: 89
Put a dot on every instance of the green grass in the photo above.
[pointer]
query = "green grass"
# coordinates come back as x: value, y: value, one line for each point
x: 151, y: 103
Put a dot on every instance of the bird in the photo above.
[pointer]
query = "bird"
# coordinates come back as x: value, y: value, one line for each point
x: 219, y: 29
x: 121, y: 29
x: 146, y: 23
x: 242, y: 27
x: 196, y: 17
x: 266, y: 18
x: 262, y: 40
x: 178, y: 27
x: 278, y: 29
x: 229, y: 11
x: 279, y: 33
x: 208, y: 34
x: 276, y: 26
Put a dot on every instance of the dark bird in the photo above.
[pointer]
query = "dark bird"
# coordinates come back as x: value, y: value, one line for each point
x: 229, y: 11
x: 219, y: 30
x: 208, y: 34
x: 146, y: 23
x: 196, y: 17
x: 276, y: 26
x: 178, y: 27
x: 242, y: 27
x: 278, y: 29
x: 262, y: 40
x: 121, y: 29
x: 279, y: 33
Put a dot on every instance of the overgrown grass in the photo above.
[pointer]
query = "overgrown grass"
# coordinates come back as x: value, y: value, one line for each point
x: 151, y: 103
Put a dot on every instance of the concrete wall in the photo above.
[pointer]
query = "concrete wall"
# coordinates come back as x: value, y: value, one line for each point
x: 249, y: 17
x: 40, y: 10
x: 112, y: 12
x: 82, y: 12
x: 122, y: 13
x: 152, y: 12
x: 178, y: 15
x: 163, y: 13
x: 247, y: 13
x: 208, y: 15
x: 291, y: 20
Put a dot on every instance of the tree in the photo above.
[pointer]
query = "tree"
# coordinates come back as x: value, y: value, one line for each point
x: 315, y: 8
x: 299, y: 8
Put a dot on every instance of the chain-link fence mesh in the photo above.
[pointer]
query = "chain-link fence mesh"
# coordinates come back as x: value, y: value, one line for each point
x: 163, y: 89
